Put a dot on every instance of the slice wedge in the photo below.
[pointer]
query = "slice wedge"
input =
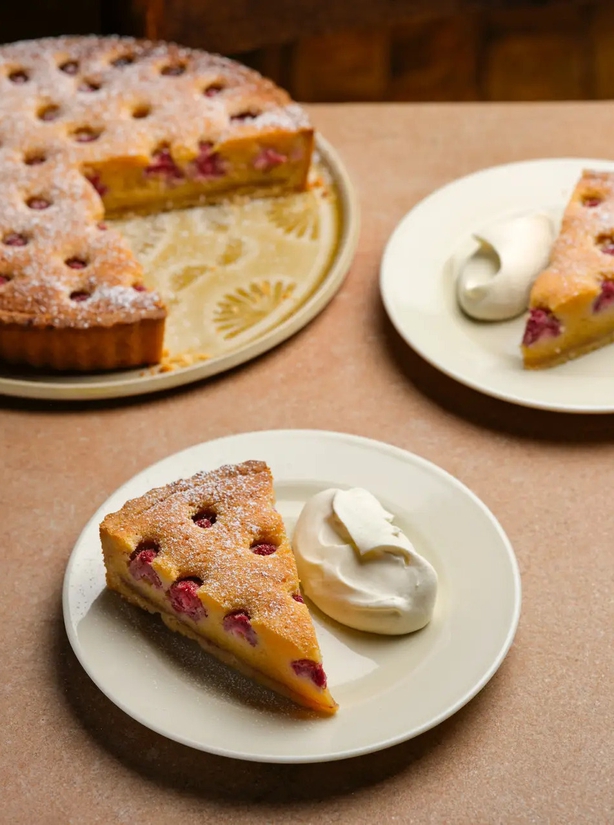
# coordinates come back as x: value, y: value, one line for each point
x: 572, y: 300
x: 211, y: 556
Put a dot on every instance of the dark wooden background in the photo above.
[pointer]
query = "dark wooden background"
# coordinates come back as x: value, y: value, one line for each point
x: 351, y: 50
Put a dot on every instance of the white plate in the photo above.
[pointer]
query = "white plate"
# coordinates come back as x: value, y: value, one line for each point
x: 389, y: 688
x: 417, y: 288
x: 264, y: 270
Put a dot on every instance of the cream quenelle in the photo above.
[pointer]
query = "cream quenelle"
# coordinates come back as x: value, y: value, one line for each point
x: 522, y: 248
x: 358, y: 567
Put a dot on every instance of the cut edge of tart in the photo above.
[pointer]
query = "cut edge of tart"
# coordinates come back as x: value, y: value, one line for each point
x: 211, y: 556
x: 94, y: 126
x: 571, y: 307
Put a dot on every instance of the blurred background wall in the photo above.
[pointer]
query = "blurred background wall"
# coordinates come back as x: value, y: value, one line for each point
x: 353, y: 50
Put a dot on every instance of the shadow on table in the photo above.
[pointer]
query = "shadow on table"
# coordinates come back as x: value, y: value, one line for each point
x: 36, y: 405
x: 169, y: 764
x: 484, y: 411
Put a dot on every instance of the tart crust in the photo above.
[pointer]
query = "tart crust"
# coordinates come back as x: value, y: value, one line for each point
x: 95, y: 126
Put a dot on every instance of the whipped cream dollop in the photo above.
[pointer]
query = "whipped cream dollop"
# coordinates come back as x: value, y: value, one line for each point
x: 358, y: 567
x: 517, y: 250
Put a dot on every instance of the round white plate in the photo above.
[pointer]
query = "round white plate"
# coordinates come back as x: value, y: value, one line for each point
x: 389, y: 689
x: 238, y: 279
x: 418, y: 290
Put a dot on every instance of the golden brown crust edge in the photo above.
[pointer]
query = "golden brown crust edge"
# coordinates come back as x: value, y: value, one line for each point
x: 83, y: 350
x: 224, y: 656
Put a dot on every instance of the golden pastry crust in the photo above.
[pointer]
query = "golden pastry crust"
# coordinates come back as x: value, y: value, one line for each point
x: 221, y: 557
x: 568, y: 296
x: 92, y: 126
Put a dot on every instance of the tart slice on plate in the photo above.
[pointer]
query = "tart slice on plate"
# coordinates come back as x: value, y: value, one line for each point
x: 572, y: 300
x: 210, y: 555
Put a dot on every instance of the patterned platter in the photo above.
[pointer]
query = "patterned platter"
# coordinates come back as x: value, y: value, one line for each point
x: 238, y: 279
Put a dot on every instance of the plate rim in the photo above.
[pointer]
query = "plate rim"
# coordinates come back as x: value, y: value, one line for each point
x: 423, y: 351
x: 375, y: 746
x: 124, y: 387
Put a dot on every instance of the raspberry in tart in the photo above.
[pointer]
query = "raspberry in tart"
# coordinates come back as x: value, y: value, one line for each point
x: 104, y: 126
x: 211, y: 556
x: 571, y: 309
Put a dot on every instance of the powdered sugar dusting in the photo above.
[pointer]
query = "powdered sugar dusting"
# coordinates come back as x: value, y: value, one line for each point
x: 241, y: 496
x: 56, y: 91
x: 580, y: 260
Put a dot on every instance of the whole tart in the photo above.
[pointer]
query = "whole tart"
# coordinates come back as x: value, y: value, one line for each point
x: 211, y: 556
x: 93, y: 127
x: 572, y: 300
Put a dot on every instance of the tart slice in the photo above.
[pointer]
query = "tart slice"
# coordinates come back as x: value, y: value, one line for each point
x: 572, y: 300
x: 210, y: 554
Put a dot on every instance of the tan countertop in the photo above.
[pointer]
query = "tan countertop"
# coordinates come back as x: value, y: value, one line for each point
x: 536, y: 744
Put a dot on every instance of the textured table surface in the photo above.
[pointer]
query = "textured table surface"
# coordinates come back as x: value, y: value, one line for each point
x: 536, y: 744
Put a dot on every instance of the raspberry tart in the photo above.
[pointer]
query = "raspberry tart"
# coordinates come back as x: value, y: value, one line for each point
x: 572, y: 301
x: 93, y: 127
x: 210, y: 555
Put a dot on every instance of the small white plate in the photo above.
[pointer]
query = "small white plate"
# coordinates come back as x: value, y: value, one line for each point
x: 389, y: 688
x: 418, y: 290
